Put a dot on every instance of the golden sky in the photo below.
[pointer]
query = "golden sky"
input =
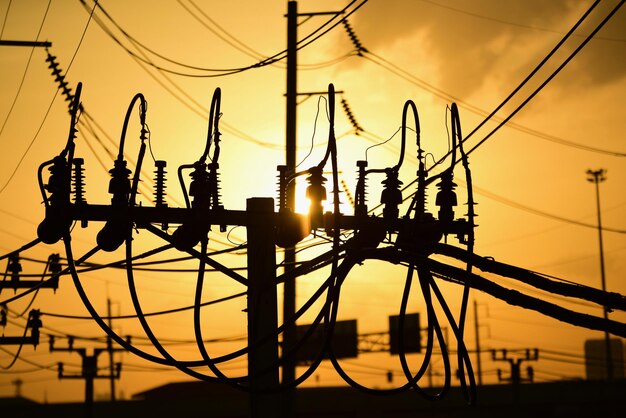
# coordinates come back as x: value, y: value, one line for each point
x: 433, y: 52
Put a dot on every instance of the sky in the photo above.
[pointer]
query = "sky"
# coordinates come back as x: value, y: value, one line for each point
x: 529, y: 178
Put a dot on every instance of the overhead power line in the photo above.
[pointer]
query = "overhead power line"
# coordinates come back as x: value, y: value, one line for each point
x: 511, y: 23
x: 21, y: 159
x: 407, y: 76
x: 220, y: 72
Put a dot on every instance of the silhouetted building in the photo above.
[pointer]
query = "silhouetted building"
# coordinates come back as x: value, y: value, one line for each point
x: 572, y: 399
x: 595, y: 359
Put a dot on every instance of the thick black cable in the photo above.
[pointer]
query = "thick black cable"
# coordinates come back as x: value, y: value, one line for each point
x: 98, y: 319
x: 144, y: 324
x: 197, y: 322
x: 464, y: 360
x: 433, y: 324
x: 610, y: 300
x: 342, y: 273
x: 457, y: 139
x: 208, y: 260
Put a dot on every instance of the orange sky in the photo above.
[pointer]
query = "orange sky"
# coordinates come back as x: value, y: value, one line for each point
x: 476, y: 51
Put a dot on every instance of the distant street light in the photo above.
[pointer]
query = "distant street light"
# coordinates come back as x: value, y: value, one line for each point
x: 596, y: 177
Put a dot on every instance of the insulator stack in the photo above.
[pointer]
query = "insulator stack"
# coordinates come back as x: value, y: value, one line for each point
x: 54, y: 267
x: 391, y: 196
x: 420, y: 196
x: 54, y: 264
x: 59, y: 78
x: 357, y: 44
x: 282, y: 187
x: 79, y: 181
x: 119, y: 185
x: 471, y: 213
x: 159, y: 181
x: 34, y: 323
x: 214, y: 186
x: 446, y: 197
x: 316, y: 193
x: 360, y: 205
x: 159, y: 188
x: 14, y: 267
x: 59, y: 184
x: 199, y: 186
x: 344, y: 186
x: 346, y: 108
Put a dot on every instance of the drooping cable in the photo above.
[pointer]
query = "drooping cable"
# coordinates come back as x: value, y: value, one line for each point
x: 457, y: 139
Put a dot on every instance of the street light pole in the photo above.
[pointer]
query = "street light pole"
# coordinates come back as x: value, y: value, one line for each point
x: 596, y: 177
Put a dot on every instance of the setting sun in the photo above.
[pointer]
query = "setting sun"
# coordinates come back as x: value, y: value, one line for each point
x: 128, y: 237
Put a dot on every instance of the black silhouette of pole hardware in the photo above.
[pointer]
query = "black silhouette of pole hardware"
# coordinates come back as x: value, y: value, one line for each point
x: 89, y: 369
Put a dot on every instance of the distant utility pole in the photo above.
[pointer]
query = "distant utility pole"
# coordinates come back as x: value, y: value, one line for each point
x: 596, y: 177
x: 89, y: 370
x: 515, y: 378
x: 18, y: 387
x: 476, y: 328
x: 111, y: 351
x: 515, y: 362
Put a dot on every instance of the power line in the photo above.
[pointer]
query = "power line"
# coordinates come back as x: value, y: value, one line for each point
x: 511, y: 23
x: 539, y: 212
x: 220, y: 72
x: 30, y: 57
x: 6, y: 16
x: 165, y: 312
x: 554, y: 73
x: 19, y: 163
x: 389, y: 66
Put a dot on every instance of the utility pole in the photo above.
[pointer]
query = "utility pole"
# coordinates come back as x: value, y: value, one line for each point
x: 515, y: 363
x: 89, y: 370
x: 262, y: 310
x: 476, y: 328
x: 18, y: 387
x: 596, y: 177
x: 289, y: 289
x: 110, y: 350
x: 267, y: 229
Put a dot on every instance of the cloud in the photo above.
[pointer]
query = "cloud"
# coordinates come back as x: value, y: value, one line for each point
x: 473, y: 41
